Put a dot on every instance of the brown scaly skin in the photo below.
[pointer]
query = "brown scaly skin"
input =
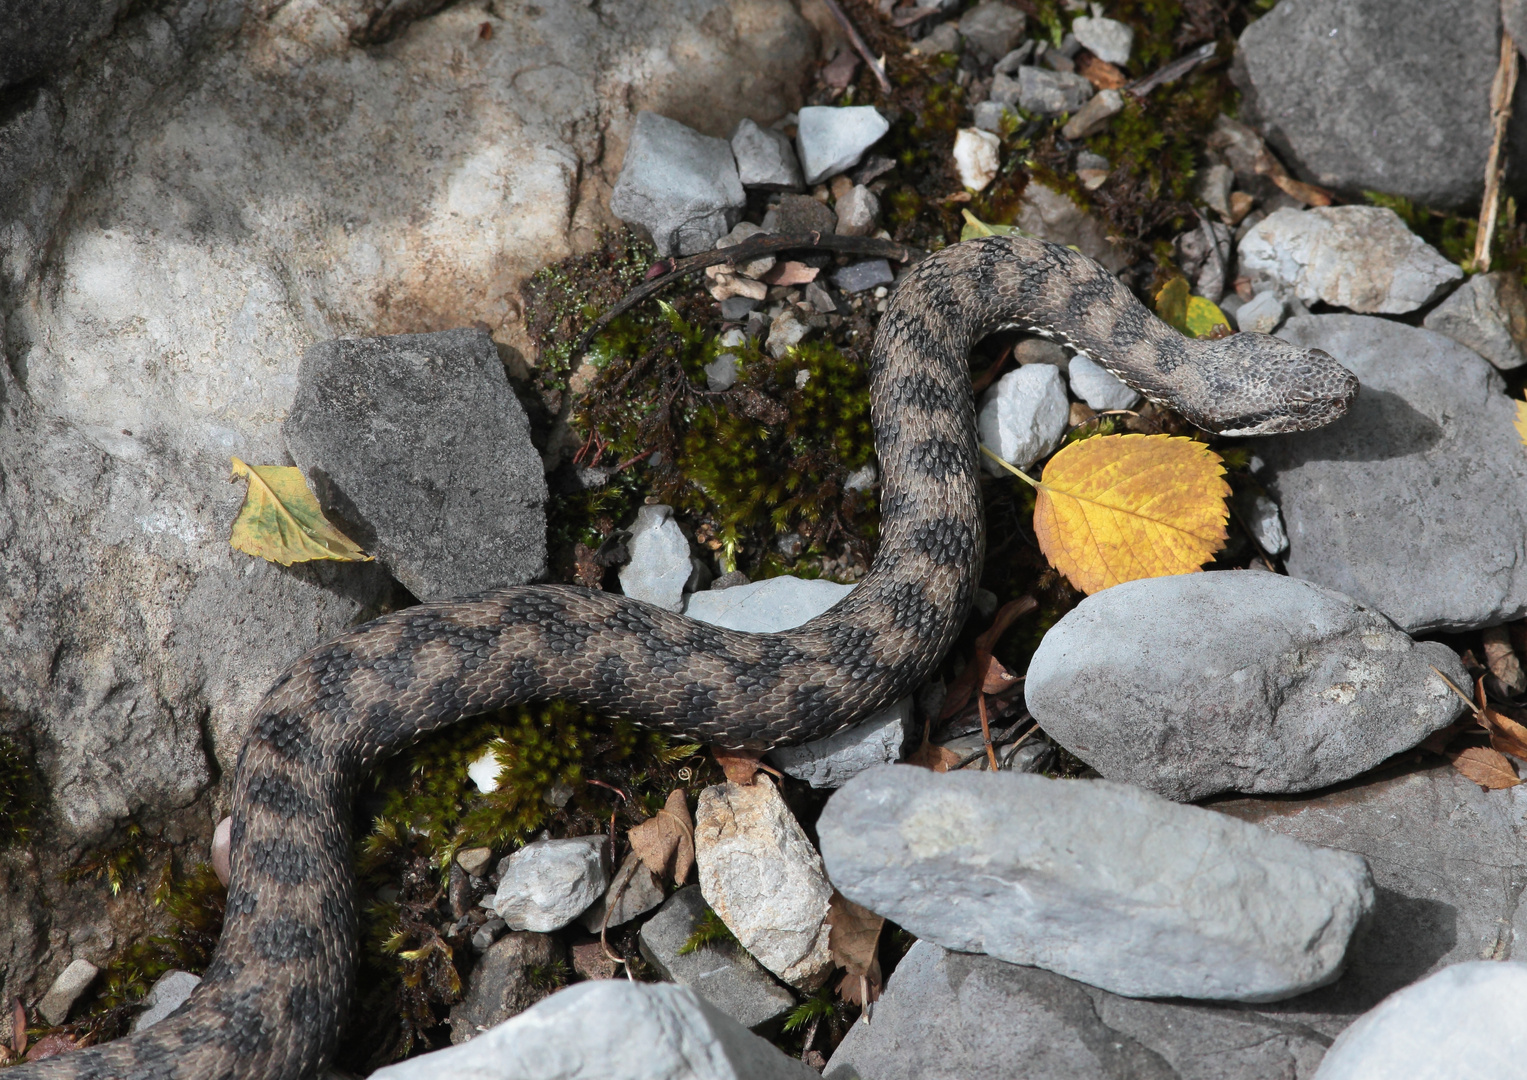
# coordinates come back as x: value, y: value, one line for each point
x: 271, y: 1002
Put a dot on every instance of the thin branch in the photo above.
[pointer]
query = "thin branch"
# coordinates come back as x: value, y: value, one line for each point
x: 1171, y: 72
x: 1501, y: 92
x: 859, y: 46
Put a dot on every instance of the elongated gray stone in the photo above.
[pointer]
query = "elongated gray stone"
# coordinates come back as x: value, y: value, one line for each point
x: 1235, y: 681
x: 1102, y: 882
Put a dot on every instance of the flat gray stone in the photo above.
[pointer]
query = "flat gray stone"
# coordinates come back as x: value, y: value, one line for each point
x: 502, y: 984
x: 1024, y: 416
x: 1050, y: 93
x: 1363, y: 258
x: 609, y: 1028
x: 639, y: 891
x: 1101, y: 882
x: 421, y: 451
x: 1108, y: 39
x: 765, y: 158
x: 1488, y: 313
x: 677, y: 185
x: 860, y: 276
x: 168, y: 993
x: 722, y: 973
x: 1465, y: 1021
x: 937, y: 1018
x: 832, y: 140
x: 1097, y: 386
x: 1426, y: 473
x: 1450, y: 864
x: 1051, y: 215
x: 660, y: 560
x: 991, y: 29
x: 1236, y: 681
x: 548, y: 883
x: 800, y: 215
x: 837, y: 759
x: 66, y: 989
x: 1262, y: 314
x: 1374, y: 95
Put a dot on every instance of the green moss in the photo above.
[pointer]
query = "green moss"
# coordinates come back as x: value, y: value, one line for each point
x: 117, y: 864
x: 20, y: 793
x: 1448, y: 233
x: 709, y: 931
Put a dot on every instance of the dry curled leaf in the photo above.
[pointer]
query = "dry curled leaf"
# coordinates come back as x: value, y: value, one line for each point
x: 985, y: 672
x: 1116, y: 508
x: 282, y: 522
x: 51, y: 1046
x: 739, y: 765
x: 1100, y: 73
x: 1488, y: 768
x: 665, y: 842
x: 854, y: 941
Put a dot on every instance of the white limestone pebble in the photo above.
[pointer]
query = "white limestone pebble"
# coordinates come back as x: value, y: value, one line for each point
x: 1024, y: 416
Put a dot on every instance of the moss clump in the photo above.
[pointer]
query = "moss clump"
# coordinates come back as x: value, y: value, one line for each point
x: 709, y: 931
x: 20, y: 793
x: 121, y: 862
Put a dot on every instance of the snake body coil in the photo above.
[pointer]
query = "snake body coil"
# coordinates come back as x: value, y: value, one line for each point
x: 271, y: 1002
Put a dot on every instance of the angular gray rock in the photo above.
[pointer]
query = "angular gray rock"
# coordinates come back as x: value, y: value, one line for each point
x: 765, y: 158
x: 723, y: 972
x: 1049, y: 214
x: 991, y: 29
x: 1429, y: 473
x: 610, y: 1028
x: 1236, y: 681
x: 503, y: 983
x: 1359, y: 257
x: 1119, y: 888
x: 833, y: 761
x: 761, y: 875
x: 1108, y: 39
x: 1050, y: 93
x: 659, y: 567
x: 1097, y: 386
x: 639, y: 891
x: 936, y: 1019
x: 1461, y: 1022
x: 1023, y: 416
x: 167, y: 994
x: 1374, y: 95
x: 1488, y: 313
x: 1094, y: 115
x: 417, y: 443
x: 858, y: 212
x: 1450, y: 864
x: 66, y: 989
x: 548, y: 883
x: 1260, y: 515
x: 677, y: 185
x: 832, y: 140
x: 797, y: 215
x: 1262, y: 314
x: 859, y: 276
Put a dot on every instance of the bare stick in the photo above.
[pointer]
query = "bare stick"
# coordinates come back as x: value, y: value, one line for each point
x: 1500, y: 115
x: 859, y: 46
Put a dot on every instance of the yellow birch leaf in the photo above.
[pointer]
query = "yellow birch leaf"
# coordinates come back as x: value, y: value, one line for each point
x: 282, y: 522
x: 1521, y: 420
x: 1187, y: 314
x: 1120, y: 507
x: 1172, y: 303
x: 975, y: 227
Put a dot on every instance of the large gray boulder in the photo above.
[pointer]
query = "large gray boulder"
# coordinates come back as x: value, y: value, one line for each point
x: 610, y: 1028
x: 1415, y: 503
x: 1377, y: 95
x: 418, y: 445
x: 1236, y: 681
x: 936, y: 1020
x: 1116, y: 887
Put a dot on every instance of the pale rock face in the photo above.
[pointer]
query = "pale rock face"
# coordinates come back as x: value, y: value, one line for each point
x: 1024, y: 416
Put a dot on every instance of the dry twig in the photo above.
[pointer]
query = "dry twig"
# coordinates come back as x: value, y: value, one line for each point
x: 1501, y: 92
x: 859, y: 46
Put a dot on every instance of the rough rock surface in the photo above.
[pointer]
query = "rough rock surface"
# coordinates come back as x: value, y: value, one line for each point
x: 41, y: 36
x: 1260, y: 515
x: 1450, y: 864
x: 501, y: 984
x: 833, y: 761
x: 660, y: 561
x: 1023, y: 416
x: 167, y: 994
x: 1262, y: 314
x: 935, y: 1019
x: 610, y: 1028
x: 991, y: 29
x: 1121, y: 889
x: 1488, y: 313
x: 1097, y: 386
x: 798, y: 215
x: 1461, y: 1022
x: 722, y: 972
x: 416, y: 444
x: 1357, y: 257
x: 760, y: 873
x: 1050, y: 93
x: 678, y: 186
x: 832, y: 139
x: 548, y: 883
x: 1428, y: 471
x: 1236, y: 681
x: 1108, y: 39
x: 1047, y: 213
x: 1369, y: 95
x: 765, y: 158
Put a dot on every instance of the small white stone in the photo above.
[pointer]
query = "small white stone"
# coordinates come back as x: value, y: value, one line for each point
x: 861, y: 479
x: 1099, y: 387
x: 548, y: 883
x: 1262, y: 314
x: 1263, y: 518
x: 833, y: 139
x: 169, y: 993
x: 975, y: 157
x: 833, y: 761
x: 721, y: 373
x: 659, y: 566
x: 484, y: 772
x: 1093, y: 117
x: 786, y: 331
x: 1024, y: 416
x: 1108, y: 39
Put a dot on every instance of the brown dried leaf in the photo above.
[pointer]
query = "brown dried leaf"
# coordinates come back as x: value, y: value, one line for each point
x: 51, y: 1046
x: 1488, y: 768
x: 665, y: 842
x: 1506, y: 735
x: 739, y: 765
x: 1502, y: 660
x: 18, y: 1026
x: 790, y: 273
x: 976, y: 672
x: 934, y: 757
x: 1099, y: 72
x: 998, y: 679
x: 854, y: 941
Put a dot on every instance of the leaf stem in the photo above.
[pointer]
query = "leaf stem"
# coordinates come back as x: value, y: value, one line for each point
x: 1019, y: 473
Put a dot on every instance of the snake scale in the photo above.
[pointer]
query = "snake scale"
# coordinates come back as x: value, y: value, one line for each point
x: 271, y: 1003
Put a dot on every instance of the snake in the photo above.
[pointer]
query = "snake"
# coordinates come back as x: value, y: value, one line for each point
x: 271, y: 1001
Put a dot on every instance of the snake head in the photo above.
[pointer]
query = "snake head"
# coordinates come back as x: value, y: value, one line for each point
x: 1257, y: 384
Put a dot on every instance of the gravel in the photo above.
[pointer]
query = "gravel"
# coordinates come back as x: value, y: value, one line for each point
x: 1093, y: 116
x: 639, y: 889
x: 1262, y: 314
x: 678, y: 186
x: 1052, y: 216
x: 1108, y: 39
x: 975, y: 152
x: 832, y: 140
x: 1261, y: 516
x: 548, y: 883
x: 1024, y: 416
x: 858, y: 212
x: 1358, y: 257
x: 799, y: 215
x: 765, y: 158
x: 502, y: 984
x: 1050, y: 93
x: 1488, y: 313
x: 1428, y: 471
x: 1235, y: 681
x: 1116, y: 887
x: 418, y: 447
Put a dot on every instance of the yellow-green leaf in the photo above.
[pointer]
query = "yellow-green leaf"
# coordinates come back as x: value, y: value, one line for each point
x: 282, y: 522
x: 975, y: 227
x: 1521, y: 420
x: 1116, y: 508
x: 1188, y: 314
